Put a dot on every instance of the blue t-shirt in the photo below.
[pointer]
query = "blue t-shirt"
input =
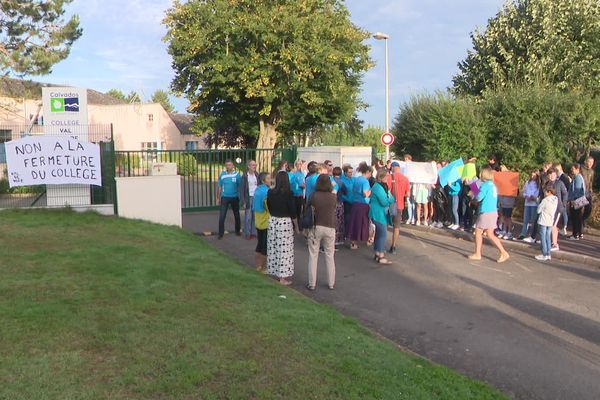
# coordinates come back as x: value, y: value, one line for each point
x: 349, y: 183
x: 230, y: 184
x: 260, y: 196
x: 297, y: 183
x: 311, y: 184
x: 361, y: 185
x: 488, y: 197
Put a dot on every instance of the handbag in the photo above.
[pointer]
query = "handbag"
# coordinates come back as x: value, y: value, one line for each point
x: 582, y: 201
x: 307, y: 219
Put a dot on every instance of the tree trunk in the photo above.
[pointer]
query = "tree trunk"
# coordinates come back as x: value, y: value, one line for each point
x: 266, y: 142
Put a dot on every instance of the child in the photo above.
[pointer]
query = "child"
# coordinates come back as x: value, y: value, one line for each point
x: 422, y: 200
x: 261, y: 215
x: 454, y: 192
x: 507, y: 204
x: 547, y: 211
x: 531, y: 193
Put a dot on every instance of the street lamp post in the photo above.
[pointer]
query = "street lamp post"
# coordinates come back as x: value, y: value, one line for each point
x: 385, y: 37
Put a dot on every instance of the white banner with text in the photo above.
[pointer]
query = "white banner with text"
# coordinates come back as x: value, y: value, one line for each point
x: 47, y: 160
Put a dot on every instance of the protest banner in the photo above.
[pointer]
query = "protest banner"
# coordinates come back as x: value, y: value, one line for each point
x: 507, y: 183
x: 469, y: 171
x: 46, y: 160
x: 475, y: 187
x: 422, y: 172
x: 450, y: 172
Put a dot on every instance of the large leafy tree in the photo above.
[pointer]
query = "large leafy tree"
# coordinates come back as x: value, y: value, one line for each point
x: 34, y: 35
x: 281, y: 65
x: 555, y: 43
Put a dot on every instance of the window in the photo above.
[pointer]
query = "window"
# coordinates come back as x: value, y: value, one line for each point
x: 191, y: 145
x: 149, y: 146
x: 150, y: 117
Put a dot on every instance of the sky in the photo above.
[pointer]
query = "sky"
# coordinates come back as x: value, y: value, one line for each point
x: 122, y: 47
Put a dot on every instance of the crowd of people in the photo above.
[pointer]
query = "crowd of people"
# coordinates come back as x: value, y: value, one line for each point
x: 337, y: 205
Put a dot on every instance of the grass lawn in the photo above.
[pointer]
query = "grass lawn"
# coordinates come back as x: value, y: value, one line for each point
x: 94, y: 307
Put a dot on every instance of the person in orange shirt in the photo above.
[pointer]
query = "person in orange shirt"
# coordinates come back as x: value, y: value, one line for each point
x: 400, y: 189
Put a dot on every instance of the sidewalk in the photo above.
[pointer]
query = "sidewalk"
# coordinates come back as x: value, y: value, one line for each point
x: 585, y: 251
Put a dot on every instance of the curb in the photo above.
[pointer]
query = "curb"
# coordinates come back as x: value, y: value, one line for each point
x: 509, y: 244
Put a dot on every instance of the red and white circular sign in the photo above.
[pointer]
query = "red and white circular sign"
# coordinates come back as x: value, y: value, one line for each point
x: 387, y: 139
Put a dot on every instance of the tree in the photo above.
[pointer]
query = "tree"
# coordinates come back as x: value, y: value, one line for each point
x: 554, y: 43
x: 293, y: 64
x: 34, y: 36
x: 117, y: 94
x: 439, y: 126
x: 162, y: 97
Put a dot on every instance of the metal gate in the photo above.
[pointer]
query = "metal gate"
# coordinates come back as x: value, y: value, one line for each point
x: 36, y: 196
x: 200, y: 169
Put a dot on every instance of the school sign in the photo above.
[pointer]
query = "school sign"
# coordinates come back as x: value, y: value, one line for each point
x: 65, y: 112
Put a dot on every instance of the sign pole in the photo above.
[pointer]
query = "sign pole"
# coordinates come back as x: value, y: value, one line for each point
x: 387, y: 99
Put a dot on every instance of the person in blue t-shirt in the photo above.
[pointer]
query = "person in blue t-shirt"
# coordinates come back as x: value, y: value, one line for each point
x: 357, y: 229
x: 488, y: 216
x: 298, y: 184
x: 228, y: 194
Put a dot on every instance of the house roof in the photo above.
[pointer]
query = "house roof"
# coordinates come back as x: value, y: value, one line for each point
x: 19, y: 88
x: 183, y: 122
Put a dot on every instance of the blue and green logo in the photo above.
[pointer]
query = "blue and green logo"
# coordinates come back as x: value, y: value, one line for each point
x: 64, y: 104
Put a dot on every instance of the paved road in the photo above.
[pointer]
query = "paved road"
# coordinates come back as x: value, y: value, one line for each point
x: 530, y: 329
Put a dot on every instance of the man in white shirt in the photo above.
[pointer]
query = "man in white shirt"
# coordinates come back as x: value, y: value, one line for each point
x: 247, y: 188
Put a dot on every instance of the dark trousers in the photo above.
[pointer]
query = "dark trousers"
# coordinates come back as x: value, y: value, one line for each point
x: 299, y: 203
x: 234, y: 202
x: 467, y: 213
x: 577, y: 220
x: 587, y: 210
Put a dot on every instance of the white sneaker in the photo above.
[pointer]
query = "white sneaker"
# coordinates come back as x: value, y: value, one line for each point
x: 425, y: 223
x: 418, y: 223
x: 454, y: 227
x: 541, y: 257
x: 528, y: 240
x: 508, y: 236
x: 555, y: 248
x: 548, y: 258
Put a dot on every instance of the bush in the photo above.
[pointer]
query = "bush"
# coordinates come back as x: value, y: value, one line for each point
x: 187, y: 165
x: 524, y: 126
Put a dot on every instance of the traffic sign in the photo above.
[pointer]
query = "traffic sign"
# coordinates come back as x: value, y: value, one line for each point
x: 387, y: 139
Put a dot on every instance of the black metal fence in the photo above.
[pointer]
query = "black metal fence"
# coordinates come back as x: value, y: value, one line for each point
x: 200, y: 169
x: 37, y: 196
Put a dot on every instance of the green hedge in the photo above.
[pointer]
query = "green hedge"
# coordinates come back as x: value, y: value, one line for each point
x: 524, y: 126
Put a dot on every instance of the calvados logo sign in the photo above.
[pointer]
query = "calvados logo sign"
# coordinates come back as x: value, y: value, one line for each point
x: 64, y: 104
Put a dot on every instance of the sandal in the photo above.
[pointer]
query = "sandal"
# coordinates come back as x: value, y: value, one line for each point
x: 503, y: 258
x: 311, y: 288
x: 384, y: 261
x: 285, y: 283
x: 353, y: 247
x: 331, y: 287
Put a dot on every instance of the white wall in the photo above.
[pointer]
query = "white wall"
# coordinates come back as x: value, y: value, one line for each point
x: 150, y: 198
x: 339, y: 155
